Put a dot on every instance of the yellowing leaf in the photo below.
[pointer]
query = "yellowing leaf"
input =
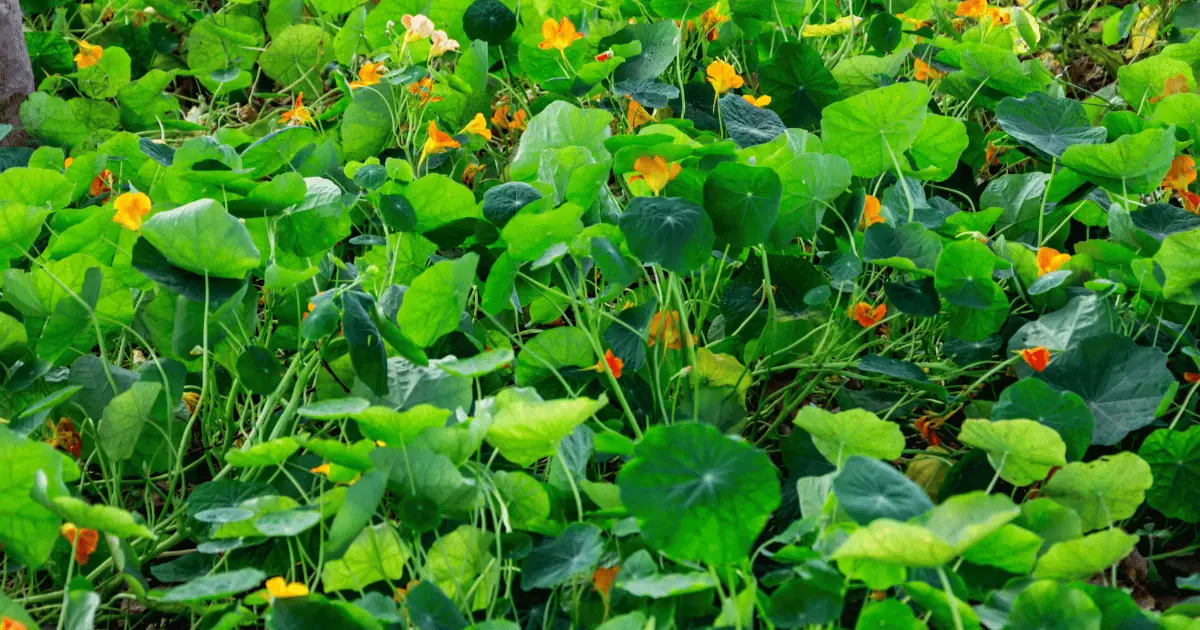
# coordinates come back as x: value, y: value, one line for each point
x: 840, y: 26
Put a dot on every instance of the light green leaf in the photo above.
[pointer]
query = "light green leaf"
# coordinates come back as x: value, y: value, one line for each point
x: 1023, y: 451
x: 526, y: 428
x: 852, y: 432
x: 873, y: 129
x: 1082, y: 558
x: 203, y: 238
x: 1103, y: 491
x: 435, y: 299
x: 376, y: 554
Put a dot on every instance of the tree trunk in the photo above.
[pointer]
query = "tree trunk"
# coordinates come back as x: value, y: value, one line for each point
x: 16, y: 75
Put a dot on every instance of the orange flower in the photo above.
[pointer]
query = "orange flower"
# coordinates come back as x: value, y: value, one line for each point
x: 8, y: 623
x: 1191, y: 201
x: 867, y: 315
x: 1049, y: 259
x: 558, y: 35
x: 518, y: 120
x: 664, y: 327
x: 369, y: 74
x: 402, y: 593
x: 1191, y: 377
x: 655, y: 171
x: 710, y: 21
x: 636, y: 115
x: 928, y: 431
x: 924, y: 72
x: 613, y: 362
x: 416, y: 27
x: 89, y: 55
x: 131, y: 207
x: 602, y: 581
x: 1181, y: 174
x: 298, y: 114
x: 437, y: 142
x: 280, y: 588
x: 471, y: 171
x: 999, y: 16
x: 761, y: 101
x: 323, y: 469
x: 68, y: 162
x: 1173, y: 85
x: 971, y: 8
x: 423, y: 89
x: 500, y: 116
x: 871, y: 213
x: 478, y: 126
x: 84, y: 540
x: 1036, y: 358
x: 64, y: 436
x: 101, y: 184
x: 604, y: 56
x: 723, y: 77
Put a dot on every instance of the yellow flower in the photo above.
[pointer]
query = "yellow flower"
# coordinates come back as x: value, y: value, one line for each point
x: 68, y: 162
x: 655, y: 171
x: 442, y: 44
x: 558, y: 35
x: 471, y: 171
x: 761, y: 101
x: 369, y: 74
x: 665, y: 329
x: 89, y: 55
x: 416, y: 27
x: 1049, y: 259
x: 924, y: 72
x: 298, y: 114
x: 323, y: 469
x: 478, y: 126
x: 971, y: 8
x: 437, y: 142
x: 636, y: 115
x: 870, y: 215
x: 131, y: 207
x: 723, y: 77
x: 280, y: 588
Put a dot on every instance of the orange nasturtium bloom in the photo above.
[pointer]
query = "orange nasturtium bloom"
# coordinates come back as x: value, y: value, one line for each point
x: 423, y: 90
x: 369, y: 74
x: 64, y: 436
x: 519, y: 120
x: 636, y: 115
x: 478, y: 126
x: 871, y: 213
x: 664, y: 327
x: 613, y: 362
x: 867, y: 315
x: 280, y: 588
x: 131, y: 207
x: 298, y: 114
x: 500, y: 116
x: 471, y: 171
x: 437, y: 142
x: 1191, y: 377
x: 89, y: 55
x: 655, y: 171
x: 924, y: 72
x: 1181, y: 174
x: 1049, y: 259
x: 8, y: 623
x: 971, y: 8
x: 558, y: 35
x: 101, y: 184
x: 1173, y: 85
x: 710, y: 21
x: 1191, y: 201
x: 723, y: 77
x: 83, y: 539
x: 416, y: 27
x: 602, y: 581
x: 68, y: 162
x: 1036, y: 358
x: 759, y: 101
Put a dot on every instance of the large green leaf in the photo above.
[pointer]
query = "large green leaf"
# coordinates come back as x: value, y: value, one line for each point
x: 203, y: 238
x: 526, y: 428
x: 297, y: 54
x: 104, y: 79
x: 1082, y: 558
x: 461, y: 562
x: 560, y: 125
x: 1174, y: 459
x: 433, y: 303
x: 963, y: 277
x: 1049, y: 604
x: 799, y: 84
x: 119, y: 429
x: 872, y: 130
x: 938, y: 146
x: 1065, y: 412
x: 1102, y: 491
x: 1022, y: 451
x: 377, y: 553
x: 574, y: 553
x: 1047, y: 125
x: 367, y: 125
x: 850, y: 432
x: 1179, y: 258
x: 697, y: 494
x: 869, y: 489
x: 742, y: 202
x: 670, y: 231
x: 27, y: 529
x: 1134, y: 163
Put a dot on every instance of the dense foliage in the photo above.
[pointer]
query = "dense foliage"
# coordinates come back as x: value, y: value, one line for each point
x: 548, y: 314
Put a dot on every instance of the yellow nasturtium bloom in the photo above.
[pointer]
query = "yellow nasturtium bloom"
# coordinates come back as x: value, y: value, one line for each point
x: 89, y: 55
x: 840, y: 26
x: 558, y: 35
x: 871, y: 213
x: 369, y: 74
x: 971, y: 9
x: 298, y: 114
x: 655, y: 171
x: 757, y: 101
x: 478, y: 126
x: 280, y: 588
x: 636, y: 115
x: 441, y: 44
x: 723, y: 77
x: 1049, y: 259
x: 416, y: 27
x: 131, y: 207
x: 437, y: 142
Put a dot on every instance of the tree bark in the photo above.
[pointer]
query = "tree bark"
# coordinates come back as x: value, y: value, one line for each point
x: 16, y: 74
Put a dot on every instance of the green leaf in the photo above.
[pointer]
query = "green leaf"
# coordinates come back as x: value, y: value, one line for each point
x: 297, y: 54
x: 28, y: 530
x: 1081, y: 559
x: 438, y: 200
x: 697, y: 494
x: 742, y: 202
x: 1174, y: 459
x: 481, y: 364
x: 911, y: 247
x: 560, y: 125
x: 1046, y: 124
x: 749, y: 125
x: 574, y: 553
x: 935, y: 600
x: 269, y: 453
x: 435, y: 299
x: 873, y: 129
x: 201, y: 237
x: 462, y: 562
x: 963, y: 277
x: 660, y: 45
x: 1049, y: 520
x: 376, y: 554
x: 367, y: 126
x: 104, y: 518
x: 398, y: 427
x: 428, y: 607
x: 1065, y: 412
x: 124, y: 417
x: 552, y: 350
x: 1103, y: 491
x: 1178, y: 258
x: 799, y: 84
x: 965, y: 519
x: 893, y: 542
x: 1022, y: 451
x: 1010, y: 548
x: 1143, y: 80
x: 49, y: 119
x: 104, y: 79
x: 259, y: 370
x: 334, y: 409
x: 1048, y: 604
x: 669, y: 231
x: 526, y: 428
x: 1133, y: 164
x: 527, y: 502
x: 939, y: 144
x: 490, y: 21
x: 216, y: 586
x: 869, y: 489
x: 852, y: 432
x: 1122, y: 383
x: 530, y: 234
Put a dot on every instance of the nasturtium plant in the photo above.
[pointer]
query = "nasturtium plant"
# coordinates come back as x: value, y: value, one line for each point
x: 526, y: 313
